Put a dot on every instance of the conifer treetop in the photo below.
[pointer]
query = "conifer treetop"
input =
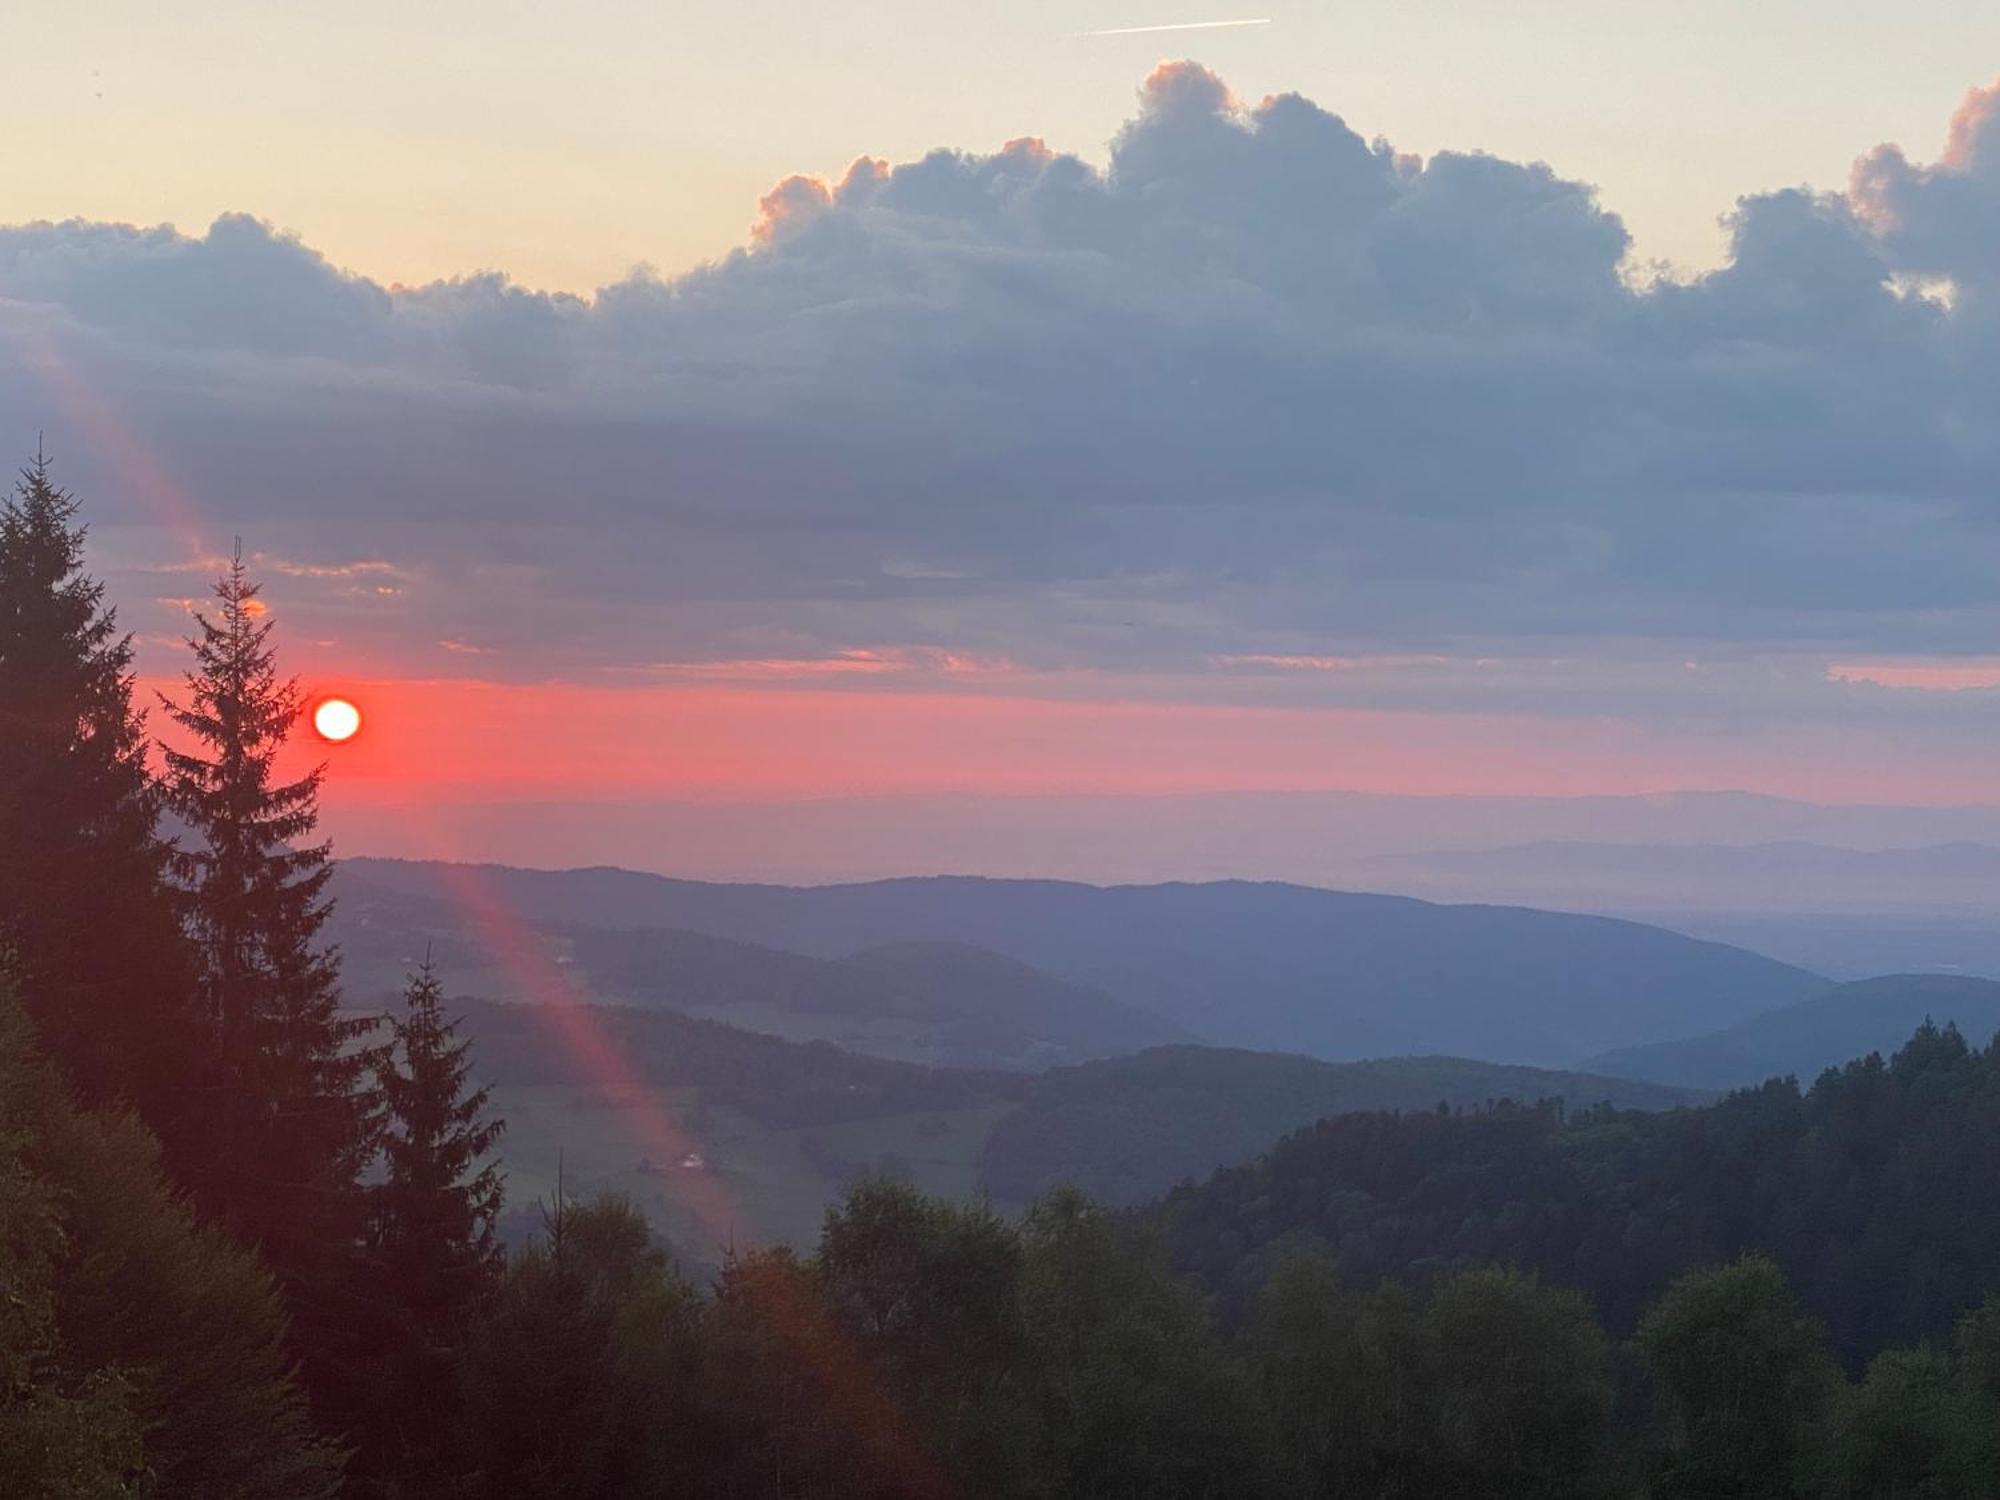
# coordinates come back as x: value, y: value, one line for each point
x: 437, y: 1205
x: 239, y: 707
x: 85, y: 902
x: 59, y: 641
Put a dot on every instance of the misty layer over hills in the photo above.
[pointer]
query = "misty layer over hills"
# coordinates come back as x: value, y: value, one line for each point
x: 1789, y: 877
x: 1846, y: 912
x: 1313, y: 838
x: 1849, y: 891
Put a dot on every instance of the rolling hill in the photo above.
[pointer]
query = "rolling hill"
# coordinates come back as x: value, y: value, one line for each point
x: 643, y: 1102
x: 941, y: 1004
x: 1803, y: 1040
x: 1127, y: 1129
x: 1267, y: 966
x: 946, y: 1004
x: 680, y: 1114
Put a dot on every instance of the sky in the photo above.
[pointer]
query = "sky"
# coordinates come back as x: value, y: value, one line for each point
x: 738, y: 405
x: 411, y: 142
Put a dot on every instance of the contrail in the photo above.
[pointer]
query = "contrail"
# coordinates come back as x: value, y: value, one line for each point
x: 1176, y: 26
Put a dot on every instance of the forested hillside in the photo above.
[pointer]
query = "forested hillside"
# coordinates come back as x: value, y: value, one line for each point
x: 1876, y: 1189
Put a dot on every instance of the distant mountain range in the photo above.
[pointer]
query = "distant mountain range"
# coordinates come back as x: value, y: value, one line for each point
x: 1855, y: 944
x: 1803, y: 1040
x: 1260, y: 965
x: 1315, y: 838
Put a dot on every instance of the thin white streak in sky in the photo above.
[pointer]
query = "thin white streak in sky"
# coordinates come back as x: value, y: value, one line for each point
x: 1176, y: 26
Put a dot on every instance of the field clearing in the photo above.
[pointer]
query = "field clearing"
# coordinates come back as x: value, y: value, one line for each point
x: 777, y: 1184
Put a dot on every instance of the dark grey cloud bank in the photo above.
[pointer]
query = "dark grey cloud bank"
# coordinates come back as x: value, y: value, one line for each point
x: 1260, y: 387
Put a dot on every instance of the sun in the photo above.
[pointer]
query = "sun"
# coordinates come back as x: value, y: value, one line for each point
x: 336, y: 719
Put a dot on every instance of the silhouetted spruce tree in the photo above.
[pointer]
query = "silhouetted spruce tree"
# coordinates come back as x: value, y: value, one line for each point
x: 84, y: 900
x: 434, y: 1257
x: 582, y: 1376
x: 296, y: 1121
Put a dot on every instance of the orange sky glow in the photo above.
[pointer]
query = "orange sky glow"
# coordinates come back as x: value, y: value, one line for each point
x: 456, y: 741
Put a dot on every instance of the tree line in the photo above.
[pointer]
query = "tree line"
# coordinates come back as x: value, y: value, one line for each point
x: 247, y: 1237
x: 1876, y: 1189
x: 244, y: 1228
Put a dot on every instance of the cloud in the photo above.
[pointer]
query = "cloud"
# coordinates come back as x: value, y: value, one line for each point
x: 854, y: 661
x: 794, y: 202
x: 1260, y: 389
x: 1953, y: 676
x: 239, y: 288
x: 1942, y: 219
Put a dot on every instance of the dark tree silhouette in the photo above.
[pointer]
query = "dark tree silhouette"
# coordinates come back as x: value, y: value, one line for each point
x: 579, y: 1379
x: 84, y: 902
x: 434, y: 1256
x: 434, y: 1212
x: 296, y: 1119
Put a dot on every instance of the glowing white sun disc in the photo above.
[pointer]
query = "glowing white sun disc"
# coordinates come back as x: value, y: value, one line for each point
x: 336, y: 719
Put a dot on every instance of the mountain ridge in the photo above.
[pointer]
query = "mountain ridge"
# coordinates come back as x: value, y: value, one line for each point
x: 1267, y: 965
x: 1803, y: 1040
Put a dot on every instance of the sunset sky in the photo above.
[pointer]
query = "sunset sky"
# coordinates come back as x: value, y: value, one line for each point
x: 1286, y: 424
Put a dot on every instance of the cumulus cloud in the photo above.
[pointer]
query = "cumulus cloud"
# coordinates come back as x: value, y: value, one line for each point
x: 1260, y: 389
x: 1943, y: 218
